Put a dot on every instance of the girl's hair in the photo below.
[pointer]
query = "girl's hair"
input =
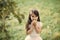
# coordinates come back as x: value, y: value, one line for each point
x: 29, y: 18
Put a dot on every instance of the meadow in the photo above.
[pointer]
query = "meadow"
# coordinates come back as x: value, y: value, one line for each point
x: 49, y: 11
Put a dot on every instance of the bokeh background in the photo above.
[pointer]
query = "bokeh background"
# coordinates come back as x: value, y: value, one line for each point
x: 14, y: 16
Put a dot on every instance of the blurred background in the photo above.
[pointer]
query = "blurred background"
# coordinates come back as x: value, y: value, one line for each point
x: 14, y: 16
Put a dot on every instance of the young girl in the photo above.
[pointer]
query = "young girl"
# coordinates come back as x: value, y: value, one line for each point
x: 33, y: 26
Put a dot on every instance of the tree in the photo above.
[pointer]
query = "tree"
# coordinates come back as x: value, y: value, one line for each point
x: 6, y: 8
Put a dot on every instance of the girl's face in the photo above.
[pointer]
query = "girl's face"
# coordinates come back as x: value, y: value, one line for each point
x: 34, y: 17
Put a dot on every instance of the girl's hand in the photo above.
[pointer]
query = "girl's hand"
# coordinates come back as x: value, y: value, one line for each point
x: 34, y: 22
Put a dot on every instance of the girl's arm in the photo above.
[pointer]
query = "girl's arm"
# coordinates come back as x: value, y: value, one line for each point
x: 38, y: 28
x: 30, y: 30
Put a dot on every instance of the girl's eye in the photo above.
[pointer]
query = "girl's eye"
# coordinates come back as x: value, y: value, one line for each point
x: 32, y: 16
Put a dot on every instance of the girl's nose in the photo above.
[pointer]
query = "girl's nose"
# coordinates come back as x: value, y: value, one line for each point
x: 34, y: 19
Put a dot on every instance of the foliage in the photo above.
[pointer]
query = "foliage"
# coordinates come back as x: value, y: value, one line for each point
x: 7, y: 7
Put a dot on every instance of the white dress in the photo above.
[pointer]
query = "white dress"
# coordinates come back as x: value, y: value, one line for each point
x: 34, y: 35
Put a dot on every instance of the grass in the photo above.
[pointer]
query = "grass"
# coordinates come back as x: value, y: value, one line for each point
x: 49, y: 14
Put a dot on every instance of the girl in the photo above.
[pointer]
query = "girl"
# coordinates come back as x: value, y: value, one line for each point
x: 33, y: 26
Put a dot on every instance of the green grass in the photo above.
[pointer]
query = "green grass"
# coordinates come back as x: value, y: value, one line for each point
x: 49, y: 14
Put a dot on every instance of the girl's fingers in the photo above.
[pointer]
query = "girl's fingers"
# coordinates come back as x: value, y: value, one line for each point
x: 34, y: 21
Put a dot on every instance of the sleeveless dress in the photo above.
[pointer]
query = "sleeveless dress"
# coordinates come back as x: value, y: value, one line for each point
x: 34, y: 35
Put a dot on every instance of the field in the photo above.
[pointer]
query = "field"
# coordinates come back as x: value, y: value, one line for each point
x: 49, y: 14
